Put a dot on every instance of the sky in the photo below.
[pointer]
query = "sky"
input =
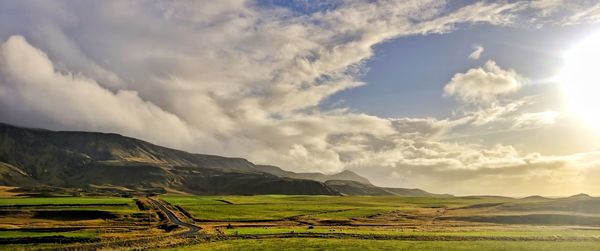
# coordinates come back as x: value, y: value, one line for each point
x: 462, y: 97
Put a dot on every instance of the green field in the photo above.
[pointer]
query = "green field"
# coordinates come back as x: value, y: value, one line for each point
x: 278, y: 207
x: 23, y: 234
x: 399, y: 232
x: 283, y: 222
x: 48, y: 221
x: 63, y: 200
x: 398, y: 223
x: 113, y: 205
x: 355, y: 244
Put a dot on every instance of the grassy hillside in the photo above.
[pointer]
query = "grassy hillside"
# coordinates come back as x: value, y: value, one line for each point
x: 68, y: 163
x: 33, y: 157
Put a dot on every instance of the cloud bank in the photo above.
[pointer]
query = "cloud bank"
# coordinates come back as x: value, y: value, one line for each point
x: 32, y: 86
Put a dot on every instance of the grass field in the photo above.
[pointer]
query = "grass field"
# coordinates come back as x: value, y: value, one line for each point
x: 121, y: 206
x: 64, y: 201
x: 531, y: 232
x: 353, y: 244
x: 398, y: 223
x: 278, y: 207
x: 45, y: 222
x: 23, y: 234
x: 310, y: 222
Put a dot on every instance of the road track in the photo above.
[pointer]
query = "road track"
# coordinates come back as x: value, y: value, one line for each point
x: 160, y: 205
x: 133, y: 243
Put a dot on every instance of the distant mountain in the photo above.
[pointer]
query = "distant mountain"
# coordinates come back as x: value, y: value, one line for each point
x: 581, y: 196
x: 33, y: 157
x: 535, y: 197
x: 356, y: 188
x: 40, y: 159
x: 349, y: 187
x: 344, y: 175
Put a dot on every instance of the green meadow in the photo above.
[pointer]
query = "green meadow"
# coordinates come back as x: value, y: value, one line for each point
x: 33, y: 201
x: 278, y: 207
x: 362, y: 244
x: 409, y: 232
x: 285, y: 222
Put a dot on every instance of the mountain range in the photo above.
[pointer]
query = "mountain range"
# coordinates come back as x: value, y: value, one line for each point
x: 38, y: 158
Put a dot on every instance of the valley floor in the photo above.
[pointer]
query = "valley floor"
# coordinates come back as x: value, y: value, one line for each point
x: 275, y: 222
x: 362, y: 244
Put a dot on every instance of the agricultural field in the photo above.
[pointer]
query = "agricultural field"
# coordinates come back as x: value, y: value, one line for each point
x: 31, y: 222
x: 176, y: 222
x: 378, y: 222
x: 366, y: 244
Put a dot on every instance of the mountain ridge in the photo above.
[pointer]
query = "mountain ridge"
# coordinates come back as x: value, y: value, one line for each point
x: 40, y: 157
x: 343, y: 175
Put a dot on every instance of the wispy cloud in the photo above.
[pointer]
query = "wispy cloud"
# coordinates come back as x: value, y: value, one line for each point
x: 477, y: 51
x: 535, y: 120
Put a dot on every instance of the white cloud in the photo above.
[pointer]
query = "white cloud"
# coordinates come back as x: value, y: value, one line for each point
x: 564, y: 12
x: 483, y: 84
x: 535, y: 120
x: 31, y: 85
x: 246, y: 86
x: 477, y: 51
x: 494, y: 112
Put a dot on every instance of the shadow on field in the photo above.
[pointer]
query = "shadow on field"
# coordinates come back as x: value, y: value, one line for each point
x: 47, y: 239
x: 73, y: 215
x: 541, y: 219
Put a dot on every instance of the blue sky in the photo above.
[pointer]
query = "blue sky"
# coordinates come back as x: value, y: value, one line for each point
x: 407, y: 75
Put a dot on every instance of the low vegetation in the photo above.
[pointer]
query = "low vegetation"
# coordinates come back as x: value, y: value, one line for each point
x: 362, y: 244
x: 292, y: 221
x: 280, y: 207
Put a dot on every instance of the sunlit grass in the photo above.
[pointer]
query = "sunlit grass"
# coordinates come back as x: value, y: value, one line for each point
x: 64, y: 200
x: 411, y: 232
x: 277, y: 207
x: 23, y: 234
x: 359, y: 244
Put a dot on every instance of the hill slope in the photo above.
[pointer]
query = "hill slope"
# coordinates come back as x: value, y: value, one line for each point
x: 31, y: 157
x: 349, y: 187
x: 344, y: 175
x: 89, y: 160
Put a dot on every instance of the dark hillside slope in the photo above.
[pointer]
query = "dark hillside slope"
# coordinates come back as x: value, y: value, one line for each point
x: 42, y: 159
x: 31, y: 157
x: 356, y: 188
x: 344, y: 175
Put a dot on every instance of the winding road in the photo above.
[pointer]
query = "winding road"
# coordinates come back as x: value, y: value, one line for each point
x: 160, y: 205
x: 134, y: 243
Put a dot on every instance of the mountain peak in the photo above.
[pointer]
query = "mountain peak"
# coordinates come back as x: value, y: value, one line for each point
x: 350, y: 175
x: 581, y: 196
x: 343, y: 175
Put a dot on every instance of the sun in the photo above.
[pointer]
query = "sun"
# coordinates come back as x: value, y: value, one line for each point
x: 580, y: 79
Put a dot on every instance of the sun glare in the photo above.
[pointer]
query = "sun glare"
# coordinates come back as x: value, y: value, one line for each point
x: 580, y: 79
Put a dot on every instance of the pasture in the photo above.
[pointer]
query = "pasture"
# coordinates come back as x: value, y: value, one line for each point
x: 312, y: 222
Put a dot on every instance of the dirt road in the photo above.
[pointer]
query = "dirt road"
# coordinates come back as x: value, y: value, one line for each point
x: 144, y: 241
x: 161, y: 205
